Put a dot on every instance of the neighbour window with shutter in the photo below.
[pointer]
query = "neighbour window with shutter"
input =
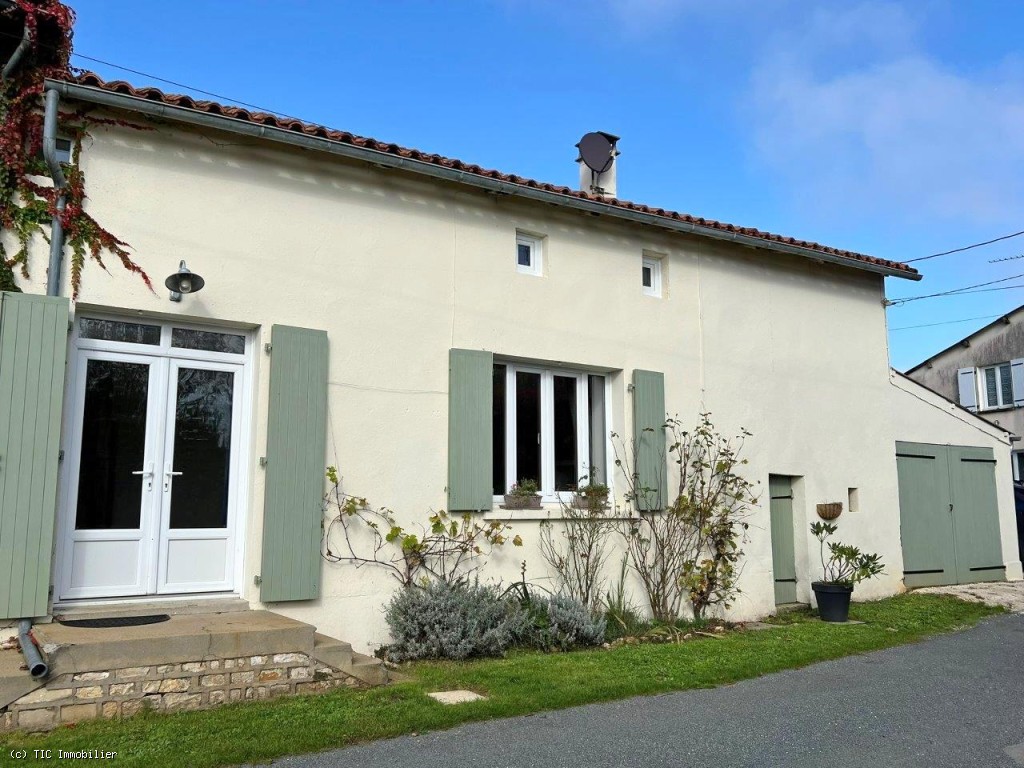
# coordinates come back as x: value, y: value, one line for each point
x: 997, y: 386
x: 549, y: 426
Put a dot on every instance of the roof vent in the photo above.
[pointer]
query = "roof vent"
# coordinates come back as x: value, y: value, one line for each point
x: 597, y: 161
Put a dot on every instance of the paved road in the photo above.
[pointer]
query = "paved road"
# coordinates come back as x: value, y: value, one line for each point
x: 955, y: 700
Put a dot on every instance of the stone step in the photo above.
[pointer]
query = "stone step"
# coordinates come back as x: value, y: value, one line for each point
x: 369, y: 670
x: 188, y: 637
x: 185, y: 606
x: 334, y: 653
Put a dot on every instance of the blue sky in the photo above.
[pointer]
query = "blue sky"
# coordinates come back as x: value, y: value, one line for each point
x: 891, y: 128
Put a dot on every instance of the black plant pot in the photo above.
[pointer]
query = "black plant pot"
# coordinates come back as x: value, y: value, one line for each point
x: 833, y: 600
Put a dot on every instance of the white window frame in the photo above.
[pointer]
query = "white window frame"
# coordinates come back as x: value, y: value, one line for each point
x: 1015, y: 465
x: 536, y: 246
x: 983, y: 385
x: 654, y: 263
x: 547, y: 427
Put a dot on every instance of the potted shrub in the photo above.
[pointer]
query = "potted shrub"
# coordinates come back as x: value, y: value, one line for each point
x: 593, y: 497
x: 845, y: 566
x: 523, y: 495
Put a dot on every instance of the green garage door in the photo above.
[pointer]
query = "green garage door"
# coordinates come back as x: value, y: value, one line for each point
x: 949, y: 516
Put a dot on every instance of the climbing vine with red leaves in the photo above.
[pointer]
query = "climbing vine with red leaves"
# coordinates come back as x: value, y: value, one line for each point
x: 26, y: 206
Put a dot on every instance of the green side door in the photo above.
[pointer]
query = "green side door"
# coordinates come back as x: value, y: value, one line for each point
x: 976, y: 538
x: 780, y: 490
x: 949, y: 514
x: 926, y: 520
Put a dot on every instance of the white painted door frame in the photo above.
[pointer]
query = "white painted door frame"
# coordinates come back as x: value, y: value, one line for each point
x: 155, y: 536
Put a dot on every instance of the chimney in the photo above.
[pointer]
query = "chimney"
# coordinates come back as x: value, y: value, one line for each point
x: 597, y: 161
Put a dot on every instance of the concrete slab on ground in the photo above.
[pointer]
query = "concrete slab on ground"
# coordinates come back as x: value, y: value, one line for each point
x: 1008, y: 594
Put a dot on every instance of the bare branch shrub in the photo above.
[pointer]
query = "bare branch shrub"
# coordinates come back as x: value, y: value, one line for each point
x: 689, y: 549
x: 577, y: 553
x: 448, y: 550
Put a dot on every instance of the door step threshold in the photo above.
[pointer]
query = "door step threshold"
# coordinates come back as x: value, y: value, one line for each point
x: 182, y: 607
x: 788, y: 607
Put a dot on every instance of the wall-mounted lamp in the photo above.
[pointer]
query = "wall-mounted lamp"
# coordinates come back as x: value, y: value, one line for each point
x: 183, y: 281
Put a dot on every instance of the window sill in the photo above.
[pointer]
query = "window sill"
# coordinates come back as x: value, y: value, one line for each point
x: 998, y: 409
x: 551, y: 511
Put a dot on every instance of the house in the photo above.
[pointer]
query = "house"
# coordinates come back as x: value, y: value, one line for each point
x: 984, y: 372
x: 437, y: 331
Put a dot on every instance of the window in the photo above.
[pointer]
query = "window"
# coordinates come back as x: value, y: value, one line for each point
x: 650, y: 272
x: 529, y: 254
x: 1018, y: 466
x: 549, y: 427
x: 998, y: 386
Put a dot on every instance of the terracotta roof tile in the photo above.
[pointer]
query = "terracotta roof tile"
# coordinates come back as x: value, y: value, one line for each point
x: 290, y: 124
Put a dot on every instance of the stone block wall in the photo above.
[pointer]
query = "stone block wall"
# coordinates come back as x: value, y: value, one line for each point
x: 73, y: 697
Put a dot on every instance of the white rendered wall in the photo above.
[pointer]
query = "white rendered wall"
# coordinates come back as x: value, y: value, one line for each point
x: 398, y: 270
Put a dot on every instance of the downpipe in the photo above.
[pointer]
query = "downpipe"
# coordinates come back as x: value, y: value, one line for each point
x: 59, y: 183
x: 12, y: 63
x: 37, y: 666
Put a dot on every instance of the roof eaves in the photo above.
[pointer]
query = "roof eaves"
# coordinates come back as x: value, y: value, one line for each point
x: 153, y: 102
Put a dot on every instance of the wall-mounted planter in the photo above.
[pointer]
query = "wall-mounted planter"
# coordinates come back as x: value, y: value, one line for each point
x: 522, y: 502
x: 830, y: 511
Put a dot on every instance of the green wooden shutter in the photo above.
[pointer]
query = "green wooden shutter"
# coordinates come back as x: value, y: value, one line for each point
x: 296, y: 448
x: 470, y: 429
x: 33, y: 347
x: 649, y: 436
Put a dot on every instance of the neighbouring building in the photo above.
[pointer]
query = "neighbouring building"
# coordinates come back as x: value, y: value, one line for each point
x: 984, y: 372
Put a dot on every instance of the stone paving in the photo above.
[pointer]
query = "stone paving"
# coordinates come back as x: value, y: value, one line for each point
x: 1009, y: 594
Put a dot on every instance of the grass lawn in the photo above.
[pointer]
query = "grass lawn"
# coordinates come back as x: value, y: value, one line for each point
x: 519, y: 684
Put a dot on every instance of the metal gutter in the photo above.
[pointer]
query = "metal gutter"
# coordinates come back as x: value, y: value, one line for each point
x: 376, y: 157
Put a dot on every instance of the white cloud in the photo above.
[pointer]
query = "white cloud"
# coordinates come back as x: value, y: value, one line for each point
x: 892, y: 130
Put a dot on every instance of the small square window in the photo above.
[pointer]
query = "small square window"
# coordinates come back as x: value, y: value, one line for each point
x: 650, y: 276
x: 529, y: 254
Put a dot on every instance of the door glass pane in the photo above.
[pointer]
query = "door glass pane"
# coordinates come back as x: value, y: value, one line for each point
x: 498, y: 431
x: 113, y: 445
x: 116, y: 330
x: 566, y: 464
x: 211, y: 341
x: 202, y: 448
x: 528, y: 427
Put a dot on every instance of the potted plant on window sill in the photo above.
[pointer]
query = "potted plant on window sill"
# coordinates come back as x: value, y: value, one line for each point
x: 844, y: 568
x: 592, y: 497
x: 523, y: 495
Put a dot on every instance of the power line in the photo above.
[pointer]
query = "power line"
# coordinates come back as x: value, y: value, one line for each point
x: 945, y: 322
x: 965, y: 289
x: 967, y: 247
x: 1006, y: 258
x: 163, y: 80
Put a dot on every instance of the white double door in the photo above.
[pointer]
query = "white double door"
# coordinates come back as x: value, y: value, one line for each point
x: 151, y: 493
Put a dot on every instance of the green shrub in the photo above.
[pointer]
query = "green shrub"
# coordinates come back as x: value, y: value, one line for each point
x: 560, y: 623
x: 458, y: 621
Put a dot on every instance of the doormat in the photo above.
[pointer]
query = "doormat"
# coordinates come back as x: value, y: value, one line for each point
x: 115, y: 621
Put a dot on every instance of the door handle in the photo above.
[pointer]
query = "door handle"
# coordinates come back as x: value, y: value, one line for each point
x: 168, y: 474
x: 147, y: 475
